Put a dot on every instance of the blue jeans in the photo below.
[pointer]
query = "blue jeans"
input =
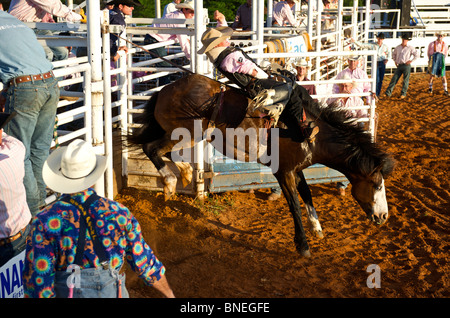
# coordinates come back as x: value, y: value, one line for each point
x: 35, y: 103
x: 54, y: 53
x: 381, y: 70
x: 93, y: 283
x: 402, y: 69
x: 10, y: 250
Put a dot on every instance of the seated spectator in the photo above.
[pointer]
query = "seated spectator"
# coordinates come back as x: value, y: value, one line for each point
x: 86, y: 233
x: 14, y: 212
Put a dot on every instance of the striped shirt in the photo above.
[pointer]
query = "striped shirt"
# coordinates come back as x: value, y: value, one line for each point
x: 14, y: 212
x: 403, y: 54
x: 37, y: 10
x: 282, y: 14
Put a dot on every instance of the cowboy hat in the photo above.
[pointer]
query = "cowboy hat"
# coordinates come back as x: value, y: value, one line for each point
x: 406, y: 36
x: 301, y: 63
x: 129, y: 3
x: 73, y: 168
x: 353, y: 57
x: 440, y: 33
x: 212, y: 37
x: 187, y: 4
x: 5, y: 118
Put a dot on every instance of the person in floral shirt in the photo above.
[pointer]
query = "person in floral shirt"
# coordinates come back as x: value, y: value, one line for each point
x: 54, y: 238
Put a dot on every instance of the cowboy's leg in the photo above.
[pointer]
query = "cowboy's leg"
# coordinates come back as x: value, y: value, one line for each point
x: 406, y: 76
x: 394, y: 81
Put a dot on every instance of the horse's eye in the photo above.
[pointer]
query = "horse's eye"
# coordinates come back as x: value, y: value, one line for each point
x: 378, y: 188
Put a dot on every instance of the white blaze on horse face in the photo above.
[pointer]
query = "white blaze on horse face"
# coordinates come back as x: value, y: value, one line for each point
x: 380, y: 206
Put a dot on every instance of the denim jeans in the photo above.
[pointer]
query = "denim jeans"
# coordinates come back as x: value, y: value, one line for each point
x: 53, y: 53
x: 93, y: 283
x: 35, y: 103
x: 402, y: 69
x: 10, y: 250
x: 381, y: 70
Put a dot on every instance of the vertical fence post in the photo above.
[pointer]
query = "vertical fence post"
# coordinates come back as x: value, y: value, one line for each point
x: 95, y: 59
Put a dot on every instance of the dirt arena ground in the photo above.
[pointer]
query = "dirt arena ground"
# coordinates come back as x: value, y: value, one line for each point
x: 238, y: 245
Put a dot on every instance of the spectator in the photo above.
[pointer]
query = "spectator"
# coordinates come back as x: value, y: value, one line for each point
x: 243, y: 18
x: 348, y: 102
x: 282, y: 14
x: 43, y: 11
x: 403, y: 56
x: 384, y: 55
x: 354, y: 72
x: 269, y: 95
x: 117, y: 16
x: 58, y: 235
x: 14, y: 212
x: 437, y: 52
x: 302, y: 66
x: 170, y: 7
x: 33, y: 93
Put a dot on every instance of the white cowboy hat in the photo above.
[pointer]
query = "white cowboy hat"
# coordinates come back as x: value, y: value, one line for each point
x: 353, y: 57
x: 212, y: 37
x: 440, y: 33
x: 187, y: 4
x: 73, y: 168
x: 301, y: 63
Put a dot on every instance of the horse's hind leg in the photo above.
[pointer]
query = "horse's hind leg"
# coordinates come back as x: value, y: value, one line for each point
x: 155, y: 151
x: 185, y: 170
x: 305, y: 193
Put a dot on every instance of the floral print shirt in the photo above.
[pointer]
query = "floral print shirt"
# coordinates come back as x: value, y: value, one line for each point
x: 52, y: 243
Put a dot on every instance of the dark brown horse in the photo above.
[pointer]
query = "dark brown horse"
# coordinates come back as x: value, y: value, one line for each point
x: 196, y: 100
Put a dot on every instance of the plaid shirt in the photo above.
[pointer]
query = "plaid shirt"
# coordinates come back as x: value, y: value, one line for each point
x: 52, y: 243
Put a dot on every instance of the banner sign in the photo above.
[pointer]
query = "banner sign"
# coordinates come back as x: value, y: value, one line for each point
x: 11, y: 277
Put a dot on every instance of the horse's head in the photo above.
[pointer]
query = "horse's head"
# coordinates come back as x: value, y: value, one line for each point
x: 370, y: 192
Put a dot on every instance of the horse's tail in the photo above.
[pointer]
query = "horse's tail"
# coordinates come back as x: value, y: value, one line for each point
x: 151, y: 129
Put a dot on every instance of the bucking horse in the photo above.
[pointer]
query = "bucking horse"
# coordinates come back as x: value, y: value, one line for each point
x: 198, y: 101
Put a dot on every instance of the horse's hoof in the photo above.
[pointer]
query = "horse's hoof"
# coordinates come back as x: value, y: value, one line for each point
x: 319, y: 234
x: 306, y: 253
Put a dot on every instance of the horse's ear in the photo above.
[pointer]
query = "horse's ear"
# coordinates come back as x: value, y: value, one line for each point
x: 387, y: 166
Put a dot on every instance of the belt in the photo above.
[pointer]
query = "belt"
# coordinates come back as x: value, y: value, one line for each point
x: 29, y: 78
x: 12, y: 238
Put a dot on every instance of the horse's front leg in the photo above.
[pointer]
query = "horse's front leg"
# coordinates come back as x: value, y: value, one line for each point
x: 288, y: 186
x: 305, y: 193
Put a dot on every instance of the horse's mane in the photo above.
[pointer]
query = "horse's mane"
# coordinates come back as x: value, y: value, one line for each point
x: 359, y: 151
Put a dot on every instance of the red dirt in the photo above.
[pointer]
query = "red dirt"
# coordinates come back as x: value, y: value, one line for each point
x: 238, y: 245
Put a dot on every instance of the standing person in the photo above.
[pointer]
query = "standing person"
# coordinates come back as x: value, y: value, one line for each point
x: 384, y: 54
x: 302, y: 66
x: 85, y: 232
x: 32, y: 92
x: 403, y: 56
x: 282, y: 14
x: 117, y: 16
x: 437, y: 52
x: 43, y: 11
x: 15, y: 215
x: 170, y: 7
x: 243, y: 18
